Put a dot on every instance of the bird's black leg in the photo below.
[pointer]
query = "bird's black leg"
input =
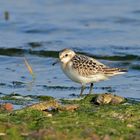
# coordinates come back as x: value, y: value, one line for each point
x: 91, y: 87
x: 82, y: 89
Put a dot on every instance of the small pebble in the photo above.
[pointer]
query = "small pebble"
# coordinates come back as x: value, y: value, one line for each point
x: 130, y: 125
x: 49, y: 115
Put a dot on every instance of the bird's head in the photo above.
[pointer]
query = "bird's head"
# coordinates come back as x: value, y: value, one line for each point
x: 66, y: 55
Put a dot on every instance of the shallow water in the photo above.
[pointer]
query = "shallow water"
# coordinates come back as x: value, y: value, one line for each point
x: 38, y: 29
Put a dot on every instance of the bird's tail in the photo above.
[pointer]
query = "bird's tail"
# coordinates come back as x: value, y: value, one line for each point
x: 114, y: 71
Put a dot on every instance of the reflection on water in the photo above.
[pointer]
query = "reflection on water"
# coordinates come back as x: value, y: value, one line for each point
x: 106, y: 30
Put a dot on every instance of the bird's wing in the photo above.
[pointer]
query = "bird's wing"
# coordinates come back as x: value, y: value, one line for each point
x: 114, y: 71
x: 95, y: 61
x: 87, y: 66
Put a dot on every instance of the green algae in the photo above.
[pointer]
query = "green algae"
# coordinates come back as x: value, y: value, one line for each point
x: 88, y: 122
x: 18, y: 99
x: 16, y: 96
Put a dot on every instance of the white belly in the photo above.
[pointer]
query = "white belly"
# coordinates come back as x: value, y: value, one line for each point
x: 73, y: 75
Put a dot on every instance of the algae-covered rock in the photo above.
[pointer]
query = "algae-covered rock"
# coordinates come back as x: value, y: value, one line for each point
x: 53, y: 105
x: 108, y: 98
x: 46, y: 105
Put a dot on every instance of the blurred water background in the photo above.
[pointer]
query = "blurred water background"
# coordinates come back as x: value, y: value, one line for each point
x: 38, y: 29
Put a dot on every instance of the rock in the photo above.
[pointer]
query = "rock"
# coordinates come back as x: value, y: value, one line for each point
x: 106, y: 137
x: 2, y: 134
x: 53, y: 105
x: 49, y: 115
x: 108, y: 98
x: 45, y: 106
x: 69, y: 107
x: 6, y: 107
x: 130, y: 125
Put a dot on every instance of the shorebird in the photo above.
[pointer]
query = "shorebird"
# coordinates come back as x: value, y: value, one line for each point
x: 84, y: 69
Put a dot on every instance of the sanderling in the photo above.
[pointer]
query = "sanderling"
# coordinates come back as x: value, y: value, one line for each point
x: 84, y: 70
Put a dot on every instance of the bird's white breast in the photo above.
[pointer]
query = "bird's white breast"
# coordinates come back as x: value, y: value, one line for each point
x: 74, y: 75
x: 70, y: 72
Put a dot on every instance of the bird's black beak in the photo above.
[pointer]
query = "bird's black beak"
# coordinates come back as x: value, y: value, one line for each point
x: 55, y: 62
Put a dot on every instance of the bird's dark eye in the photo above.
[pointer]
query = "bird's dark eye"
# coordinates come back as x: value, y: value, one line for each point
x: 66, y: 55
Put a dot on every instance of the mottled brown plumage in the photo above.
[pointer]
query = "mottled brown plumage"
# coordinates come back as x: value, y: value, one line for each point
x: 87, y: 66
